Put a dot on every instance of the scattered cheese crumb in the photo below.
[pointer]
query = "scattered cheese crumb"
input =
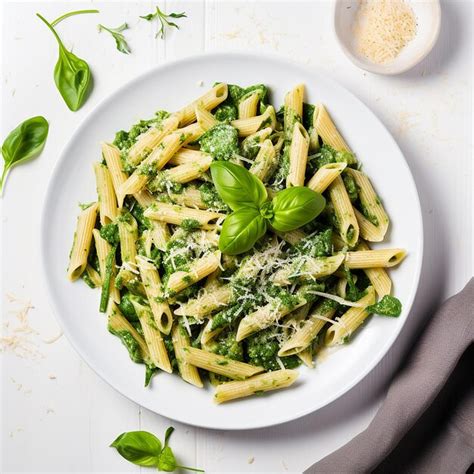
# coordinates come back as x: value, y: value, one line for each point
x: 250, y: 460
x: 52, y: 377
x: 200, y: 83
x: 382, y: 28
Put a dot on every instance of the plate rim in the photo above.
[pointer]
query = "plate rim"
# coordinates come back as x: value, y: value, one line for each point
x: 284, y: 61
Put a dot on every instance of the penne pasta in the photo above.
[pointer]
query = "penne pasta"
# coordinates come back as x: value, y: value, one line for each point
x: 265, y: 161
x: 189, y: 373
x: 327, y: 130
x: 82, y: 242
x: 378, y: 277
x: 374, y: 258
x: 206, y: 303
x: 258, y: 384
x: 325, y: 176
x: 251, y: 125
x: 106, y: 194
x: 219, y: 364
x: 248, y: 106
x: 298, y: 156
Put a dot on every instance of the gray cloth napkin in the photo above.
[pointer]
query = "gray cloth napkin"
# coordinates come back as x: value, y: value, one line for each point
x: 426, y: 423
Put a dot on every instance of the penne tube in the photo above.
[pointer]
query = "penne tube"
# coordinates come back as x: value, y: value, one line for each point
x: 293, y: 111
x: 374, y: 258
x: 207, y: 303
x: 219, y: 364
x: 130, y: 280
x: 305, y: 334
x: 265, y: 161
x: 248, y: 106
x: 186, y: 155
x: 208, y: 101
x: 292, y: 236
x: 204, y: 118
x: 378, y: 276
x: 346, y: 220
x: 350, y: 320
x: 82, y: 242
x: 152, y: 283
x: 372, y: 207
x: 306, y: 356
x: 106, y: 194
x: 198, y: 269
x: 275, y: 380
x: 189, y: 197
x: 298, y: 156
x: 327, y: 130
x: 367, y: 230
x: 128, y: 235
x: 119, y: 326
x: 150, y: 140
x: 111, y: 156
x: 154, y: 341
x: 251, y: 125
x: 160, y: 234
x: 325, y: 176
x: 94, y: 276
x: 189, y: 373
x: 307, y: 268
x: 177, y: 215
x: 153, y: 163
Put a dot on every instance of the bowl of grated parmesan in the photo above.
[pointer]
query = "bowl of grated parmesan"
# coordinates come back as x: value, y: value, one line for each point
x: 387, y: 36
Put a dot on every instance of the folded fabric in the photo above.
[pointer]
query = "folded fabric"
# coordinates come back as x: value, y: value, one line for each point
x: 426, y: 423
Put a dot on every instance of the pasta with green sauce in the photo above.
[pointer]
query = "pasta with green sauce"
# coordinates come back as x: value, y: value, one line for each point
x: 243, y: 322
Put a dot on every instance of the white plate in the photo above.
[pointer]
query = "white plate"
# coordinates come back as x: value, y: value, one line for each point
x: 170, y: 87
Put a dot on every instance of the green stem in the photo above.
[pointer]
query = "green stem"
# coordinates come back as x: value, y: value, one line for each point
x: 2, y: 179
x: 67, y: 15
x: 43, y: 19
x: 190, y: 468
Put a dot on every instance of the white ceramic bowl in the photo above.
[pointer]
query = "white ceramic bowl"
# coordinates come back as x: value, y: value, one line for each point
x: 170, y: 87
x: 428, y: 18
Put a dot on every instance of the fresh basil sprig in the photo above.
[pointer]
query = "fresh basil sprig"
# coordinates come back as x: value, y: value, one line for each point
x: 246, y: 195
x: 72, y: 74
x: 164, y: 20
x: 144, y: 449
x: 24, y: 142
x: 120, y: 41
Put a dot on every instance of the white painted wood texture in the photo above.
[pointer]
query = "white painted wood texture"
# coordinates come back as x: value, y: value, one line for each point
x: 56, y: 414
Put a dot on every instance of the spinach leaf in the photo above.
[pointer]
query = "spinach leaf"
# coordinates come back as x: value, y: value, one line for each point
x: 72, y: 74
x: 24, y: 142
x: 236, y: 186
x: 387, y: 306
x: 295, y: 207
x: 241, y: 230
x: 120, y: 41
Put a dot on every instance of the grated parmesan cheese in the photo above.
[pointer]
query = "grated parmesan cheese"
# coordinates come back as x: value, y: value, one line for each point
x: 382, y: 28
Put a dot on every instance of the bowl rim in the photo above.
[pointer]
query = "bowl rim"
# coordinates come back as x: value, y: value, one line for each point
x: 385, y: 69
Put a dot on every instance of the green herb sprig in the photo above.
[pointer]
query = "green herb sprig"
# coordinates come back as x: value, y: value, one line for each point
x: 163, y: 18
x: 22, y: 143
x: 247, y: 196
x: 72, y: 74
x: 119, y: 38
x: 145, y: 449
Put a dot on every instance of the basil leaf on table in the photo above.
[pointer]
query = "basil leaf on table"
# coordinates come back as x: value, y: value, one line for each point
x: 295, y: 207
x: 120, y: 41
x: 72, y: 74
x: 139, y: 447
x: 24, y: 142
x: 236, y: 186
x: 241, y: 230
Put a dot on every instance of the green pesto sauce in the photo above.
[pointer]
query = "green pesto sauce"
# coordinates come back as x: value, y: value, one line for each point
x: 351, y: 187
x: 226, y: 113
x: 262, y: 349
x: 110, y: 233
x: 226, y: 345
x: 210, y: 197
x: 317, y: 245
x: 124, y: 140
x: 327, y: 155
x: 162, y: 183
x: 126, y: 307
x: 190, y: 224
x: 87, y: 280
x: 221, y: 142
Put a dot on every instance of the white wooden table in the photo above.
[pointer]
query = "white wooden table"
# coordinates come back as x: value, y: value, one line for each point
x: 57, y: 415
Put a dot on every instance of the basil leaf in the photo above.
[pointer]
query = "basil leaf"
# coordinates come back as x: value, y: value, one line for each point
x: 139, y: 447
x: 241, y: 230
x: 166, y: 460
x: 72, y: 75
x: 295, y: 207
x: 120, y: 41
x: 236, y: 186
x: 387, y: 306
x: 24, y: 142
